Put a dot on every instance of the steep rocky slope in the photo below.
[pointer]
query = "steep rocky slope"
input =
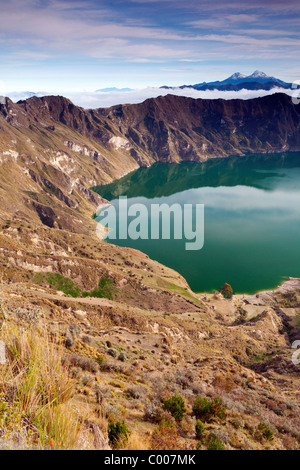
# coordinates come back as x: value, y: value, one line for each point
x: 52, y: 152
x: 177, y: 128
x: 124, y: 361
x: 132, y: 333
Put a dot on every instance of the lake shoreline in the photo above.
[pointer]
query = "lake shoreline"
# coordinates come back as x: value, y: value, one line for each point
x: 251, y: 218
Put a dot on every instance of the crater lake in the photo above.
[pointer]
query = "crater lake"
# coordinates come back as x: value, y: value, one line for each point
x: 251, y: 218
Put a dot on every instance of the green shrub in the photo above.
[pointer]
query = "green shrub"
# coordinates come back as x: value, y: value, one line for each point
x: 105, y: 289
x: 58, y: 282
x: 266, y: 431
x: 118, y: 434
x: 215, y: 444
x: 201, y: 408
x: 218, y: 410
x: 199, y: 445
x: 175, y: 405
x: 100, y: 359
x: 199, y: 429
x: 205, y: 409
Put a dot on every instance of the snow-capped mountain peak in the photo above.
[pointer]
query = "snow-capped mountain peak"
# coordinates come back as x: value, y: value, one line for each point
x: 258, y: 74
x: 237, y: 76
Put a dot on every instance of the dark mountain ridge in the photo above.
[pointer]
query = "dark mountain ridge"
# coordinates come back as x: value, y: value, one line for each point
x: 171, y: 128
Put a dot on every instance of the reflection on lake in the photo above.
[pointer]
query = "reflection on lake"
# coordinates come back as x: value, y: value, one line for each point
x: 252, y: 218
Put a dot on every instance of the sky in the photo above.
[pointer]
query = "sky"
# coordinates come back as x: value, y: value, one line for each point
x: 80, y: 46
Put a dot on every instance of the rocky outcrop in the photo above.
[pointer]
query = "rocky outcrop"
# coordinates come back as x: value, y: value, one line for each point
x: 54, y: 151
x: 169, y: 128
x: 173, y: 128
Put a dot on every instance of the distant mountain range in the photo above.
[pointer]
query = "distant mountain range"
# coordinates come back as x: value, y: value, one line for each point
x: 112, y: 89
x: 256, y: 81
x: 236, y: 82
x: 24, y: 95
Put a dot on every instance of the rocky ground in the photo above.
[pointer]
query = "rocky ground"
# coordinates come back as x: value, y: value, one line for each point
x: 152, y: 338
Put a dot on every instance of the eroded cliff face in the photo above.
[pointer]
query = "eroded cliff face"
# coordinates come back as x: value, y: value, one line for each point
x: 49, y: 159
x: 176, y: 128
x: 52, y: 152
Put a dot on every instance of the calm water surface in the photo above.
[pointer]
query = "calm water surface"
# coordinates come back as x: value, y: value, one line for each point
x: 252, y: 218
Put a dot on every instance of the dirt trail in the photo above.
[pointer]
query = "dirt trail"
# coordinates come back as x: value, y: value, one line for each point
x: 100, y: 302
x: 83, y: 300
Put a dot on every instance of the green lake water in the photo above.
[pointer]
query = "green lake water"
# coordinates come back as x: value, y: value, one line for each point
x: 251, y: 213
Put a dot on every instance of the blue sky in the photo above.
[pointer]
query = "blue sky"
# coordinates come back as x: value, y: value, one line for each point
x: 59, y: 45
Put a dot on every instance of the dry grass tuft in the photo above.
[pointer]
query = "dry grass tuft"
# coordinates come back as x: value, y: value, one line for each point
x: 38, y: 386
x: 137, y: 442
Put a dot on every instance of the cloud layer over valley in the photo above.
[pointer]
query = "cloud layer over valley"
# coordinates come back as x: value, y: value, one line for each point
x: 107, y: 99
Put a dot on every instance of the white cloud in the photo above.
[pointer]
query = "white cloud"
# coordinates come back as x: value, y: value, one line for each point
x: 105, y: 99
x: 99, y: 100
x: 92, y: 100
x: 243, y: 198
